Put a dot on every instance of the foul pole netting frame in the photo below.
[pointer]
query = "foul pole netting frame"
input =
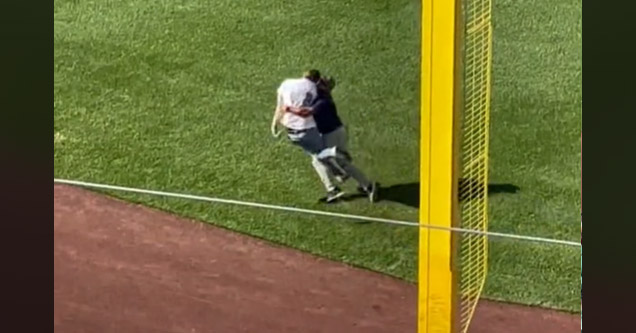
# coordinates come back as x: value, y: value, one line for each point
x: 455, y: 112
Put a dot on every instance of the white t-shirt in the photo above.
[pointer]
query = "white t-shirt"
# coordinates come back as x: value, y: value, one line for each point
x: 297, y: 93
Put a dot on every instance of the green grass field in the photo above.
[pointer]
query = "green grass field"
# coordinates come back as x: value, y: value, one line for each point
x: 178, y: 95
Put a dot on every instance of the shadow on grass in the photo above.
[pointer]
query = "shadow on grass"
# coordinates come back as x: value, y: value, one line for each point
x: 409, y: 194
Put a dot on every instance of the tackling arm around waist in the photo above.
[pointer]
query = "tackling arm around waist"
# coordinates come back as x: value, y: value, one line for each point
x: 305, y: 111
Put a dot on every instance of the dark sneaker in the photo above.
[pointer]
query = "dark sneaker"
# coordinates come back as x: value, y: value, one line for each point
x: 334, y: 195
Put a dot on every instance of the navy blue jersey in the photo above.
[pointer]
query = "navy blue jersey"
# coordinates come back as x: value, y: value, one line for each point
x: 325, y: 114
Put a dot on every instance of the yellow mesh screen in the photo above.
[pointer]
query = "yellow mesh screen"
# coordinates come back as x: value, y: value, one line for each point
x: 476, y: 61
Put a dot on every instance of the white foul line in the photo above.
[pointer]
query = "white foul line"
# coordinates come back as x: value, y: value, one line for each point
x: 313, y: 212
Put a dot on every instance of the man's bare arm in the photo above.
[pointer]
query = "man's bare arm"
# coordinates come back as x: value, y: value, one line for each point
x: 278, y: 115
x: 305, y: 111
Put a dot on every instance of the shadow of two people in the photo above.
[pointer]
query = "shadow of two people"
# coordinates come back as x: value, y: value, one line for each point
x: 409, y: 194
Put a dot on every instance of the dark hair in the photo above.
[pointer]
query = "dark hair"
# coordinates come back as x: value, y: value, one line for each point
x: 327, y: 83
x: 313, y: 75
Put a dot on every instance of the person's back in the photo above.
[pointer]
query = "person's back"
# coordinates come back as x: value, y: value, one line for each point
x: 297, y: 93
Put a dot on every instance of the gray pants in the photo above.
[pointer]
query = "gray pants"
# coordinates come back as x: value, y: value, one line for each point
x: 338, y: 139
x: 309, y: 140
x: 312, y: 143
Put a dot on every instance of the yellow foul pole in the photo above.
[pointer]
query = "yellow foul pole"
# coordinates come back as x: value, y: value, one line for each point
x: 437, y: 300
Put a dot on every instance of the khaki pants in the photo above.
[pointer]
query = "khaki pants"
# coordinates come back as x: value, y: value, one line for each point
x: 338, y: 139
x: 312, y: 143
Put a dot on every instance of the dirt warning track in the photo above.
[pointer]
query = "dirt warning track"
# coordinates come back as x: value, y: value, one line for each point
x: 125, y: 268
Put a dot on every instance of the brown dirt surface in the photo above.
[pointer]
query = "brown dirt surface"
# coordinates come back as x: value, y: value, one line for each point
x: 124, y: 268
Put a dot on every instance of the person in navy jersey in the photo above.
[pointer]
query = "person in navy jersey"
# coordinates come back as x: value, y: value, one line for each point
x: 334, y: 136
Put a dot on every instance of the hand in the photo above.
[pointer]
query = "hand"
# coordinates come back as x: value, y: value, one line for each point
x: 304, y: 113
x: 275, y: 133
x: 301, y: 112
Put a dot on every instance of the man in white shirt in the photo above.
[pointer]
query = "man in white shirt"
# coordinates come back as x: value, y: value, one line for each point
x: 302, y: 131
x: 334, y: 135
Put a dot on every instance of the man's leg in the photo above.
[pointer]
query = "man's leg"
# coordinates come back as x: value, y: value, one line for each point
x: 323, y: 174
x: 311, y: 142
x: 338, y: 139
